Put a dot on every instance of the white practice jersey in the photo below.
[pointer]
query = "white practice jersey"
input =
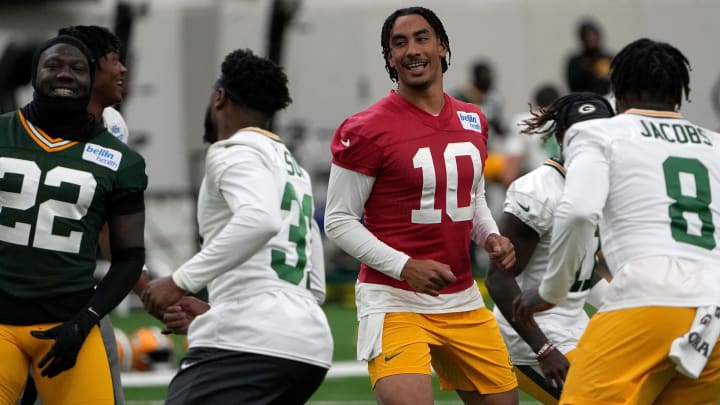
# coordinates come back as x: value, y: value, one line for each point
x: 532, y: 199
x: 115, y: 124
x: 261, y: 255
x: 661, y: 198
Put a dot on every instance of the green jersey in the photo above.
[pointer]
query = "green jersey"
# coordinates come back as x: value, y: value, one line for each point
x: 54, y: 198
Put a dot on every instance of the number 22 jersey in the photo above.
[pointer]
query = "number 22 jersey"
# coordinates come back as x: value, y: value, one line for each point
x: 55, y: 195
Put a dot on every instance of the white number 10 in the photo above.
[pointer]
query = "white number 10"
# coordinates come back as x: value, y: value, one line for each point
x: 428, y: 214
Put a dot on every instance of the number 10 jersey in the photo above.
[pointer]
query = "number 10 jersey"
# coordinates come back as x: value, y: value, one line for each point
x: 428, y: 174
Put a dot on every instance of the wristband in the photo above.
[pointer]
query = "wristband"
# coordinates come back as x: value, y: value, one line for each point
x: 544, y: 351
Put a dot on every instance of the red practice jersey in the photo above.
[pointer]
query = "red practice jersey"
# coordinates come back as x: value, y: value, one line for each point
x: 427, y: 169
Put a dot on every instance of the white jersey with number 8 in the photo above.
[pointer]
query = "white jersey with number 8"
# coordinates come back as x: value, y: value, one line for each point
x: 663, y: 200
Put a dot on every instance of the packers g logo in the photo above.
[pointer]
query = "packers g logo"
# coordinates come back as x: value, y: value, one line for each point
x: 586, y: 109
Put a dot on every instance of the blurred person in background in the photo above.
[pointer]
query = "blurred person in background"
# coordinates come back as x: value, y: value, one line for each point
x: 589, y: 68
x: 523, y: 153
x: 481, y: 92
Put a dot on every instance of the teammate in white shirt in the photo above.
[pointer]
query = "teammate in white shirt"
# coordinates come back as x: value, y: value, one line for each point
x: 264, y: 338
x: 115, y: 124
x: 539, y: 352
x: 651, y: 180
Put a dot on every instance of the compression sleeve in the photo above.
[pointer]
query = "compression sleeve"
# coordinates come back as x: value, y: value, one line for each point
x: 483, y: 222
x: 347, y: 193
x: 125, y: 268
x: 317, y: 271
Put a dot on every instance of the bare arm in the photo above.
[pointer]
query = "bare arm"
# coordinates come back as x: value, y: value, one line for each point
x: 503, y: 288
x: 501, y: 283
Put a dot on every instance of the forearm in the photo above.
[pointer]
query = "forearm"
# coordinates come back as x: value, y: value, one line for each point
x: 251, y: 193
x: 241, y: 238
x: 141, y: 282
x: 125, y: 268
x: 347, y: 193
x: 504, y: 289
x: 317, y: 269
x: 483, y: 222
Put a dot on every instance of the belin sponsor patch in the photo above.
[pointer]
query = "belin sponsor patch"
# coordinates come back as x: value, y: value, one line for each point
x: 470, y: 120
x: 102, y: 156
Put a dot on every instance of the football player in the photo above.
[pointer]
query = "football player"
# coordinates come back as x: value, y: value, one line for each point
x: 540, y: 352
x: 263, y: 337
x: 406, y: 197
x: 651, y: 179
x: 64, y: 176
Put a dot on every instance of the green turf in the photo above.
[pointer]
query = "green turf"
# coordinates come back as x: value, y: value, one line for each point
x: 339, y: 390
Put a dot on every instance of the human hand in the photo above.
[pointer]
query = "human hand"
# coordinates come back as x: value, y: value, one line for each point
x: 501, y: 250
x: 159, y: 294
x: 69, y: 337
x: 526, y: 304
x: 427, y: 276
x: 554, y: 366
x: 177, y: 317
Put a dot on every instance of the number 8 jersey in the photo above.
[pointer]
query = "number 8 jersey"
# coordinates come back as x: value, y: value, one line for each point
x: 663, y: 200
x: 427, y: 172
x: 55, y: 195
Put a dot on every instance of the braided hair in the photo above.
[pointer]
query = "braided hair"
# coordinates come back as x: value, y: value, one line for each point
x: 565, y: 111
x: 255, y: 82
x: 100, y: 40
x: 431, y: 18
x: 651, y: 71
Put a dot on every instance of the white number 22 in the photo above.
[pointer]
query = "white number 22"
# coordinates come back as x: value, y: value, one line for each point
x: 19, y: 233
x: 428, y: 214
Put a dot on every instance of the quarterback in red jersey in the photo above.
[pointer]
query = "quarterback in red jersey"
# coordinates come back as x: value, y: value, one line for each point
x: 423, y: 199
x: 406, y: 197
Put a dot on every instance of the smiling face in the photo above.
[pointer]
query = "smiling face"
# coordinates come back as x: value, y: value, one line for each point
x: 415, y: 52
x: 109, y: 79
x: 63, y: 71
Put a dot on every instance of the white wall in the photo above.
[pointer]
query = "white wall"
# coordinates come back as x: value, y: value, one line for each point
x: 335, y: 66
x: 333, y: 60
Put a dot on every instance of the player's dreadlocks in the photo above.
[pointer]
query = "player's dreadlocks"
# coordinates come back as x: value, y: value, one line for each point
x: 651, y: 71
x: 557, y: 118
x: 99, y: 40
x: 431, y: 18
x: 255, y: 82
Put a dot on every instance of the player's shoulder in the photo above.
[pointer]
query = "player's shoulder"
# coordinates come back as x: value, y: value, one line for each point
x: 10, y: 115
x: 262, y: 144
x: 115, y: 124
x: 252, y: 137
x: 10, y: 120
x: 544, y: 183
x: 533, y: 197
x: 598, y: 131
x: 371, y: 119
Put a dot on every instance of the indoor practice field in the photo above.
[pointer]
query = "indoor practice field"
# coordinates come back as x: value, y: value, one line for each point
x: 347, y: 382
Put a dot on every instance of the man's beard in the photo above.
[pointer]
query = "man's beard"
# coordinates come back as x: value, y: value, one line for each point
x: 210, y: 135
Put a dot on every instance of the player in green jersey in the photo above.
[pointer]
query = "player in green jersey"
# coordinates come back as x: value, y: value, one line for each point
x: 62, y: 175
